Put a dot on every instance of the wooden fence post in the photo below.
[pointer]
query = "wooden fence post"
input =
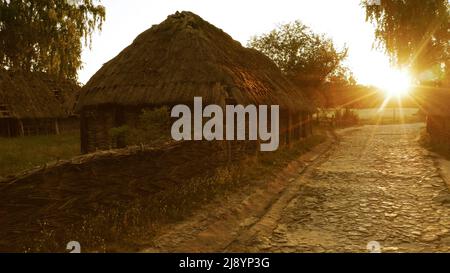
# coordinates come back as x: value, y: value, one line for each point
x: 21, y: 129
x: 56, y: 126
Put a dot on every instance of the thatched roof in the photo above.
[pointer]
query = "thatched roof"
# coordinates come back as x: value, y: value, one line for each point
x: 35, y: 95
x: 183, y: 57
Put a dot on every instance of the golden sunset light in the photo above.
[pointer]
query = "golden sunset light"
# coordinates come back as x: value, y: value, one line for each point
x: 395, y: 83
x: 221, y: 132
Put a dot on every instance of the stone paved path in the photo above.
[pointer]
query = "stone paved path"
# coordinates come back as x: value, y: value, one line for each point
x: 378, y: 184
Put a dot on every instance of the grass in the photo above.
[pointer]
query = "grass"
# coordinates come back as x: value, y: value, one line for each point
x: 125, y: 226
x: 18, y: 154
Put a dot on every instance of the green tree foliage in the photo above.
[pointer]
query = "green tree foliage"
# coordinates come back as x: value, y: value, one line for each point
x: 341, y: 76
x: 152, y: 128
x: 415, y: 33
x: 47, y: 35
x: 306, y: 58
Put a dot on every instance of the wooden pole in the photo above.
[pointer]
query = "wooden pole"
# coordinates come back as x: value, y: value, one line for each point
x: 56, y: 126
x: 21, y: 129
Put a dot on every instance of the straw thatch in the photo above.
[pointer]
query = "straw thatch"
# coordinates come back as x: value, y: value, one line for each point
x: 35, y: 96
x: 183, y: 57
x: 173, y: 62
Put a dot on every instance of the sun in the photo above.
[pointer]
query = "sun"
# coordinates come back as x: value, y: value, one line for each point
x: 395, y: 83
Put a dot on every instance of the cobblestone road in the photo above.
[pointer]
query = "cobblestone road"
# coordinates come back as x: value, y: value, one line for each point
x: 378, y: 184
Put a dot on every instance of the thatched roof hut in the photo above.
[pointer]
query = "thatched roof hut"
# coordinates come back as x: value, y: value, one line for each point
x: 37, y: 95
x: 33, y: 97
x: 184, y: 57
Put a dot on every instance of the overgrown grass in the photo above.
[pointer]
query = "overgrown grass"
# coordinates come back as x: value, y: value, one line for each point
x: 152, y: 128
x: 125, y: 226
x: 18, y: 154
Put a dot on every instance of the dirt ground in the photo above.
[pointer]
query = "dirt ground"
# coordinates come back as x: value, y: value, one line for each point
x: 373, y: 183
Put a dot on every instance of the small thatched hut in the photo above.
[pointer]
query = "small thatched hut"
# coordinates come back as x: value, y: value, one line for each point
x: 175, y: 61
x: 36, y: 103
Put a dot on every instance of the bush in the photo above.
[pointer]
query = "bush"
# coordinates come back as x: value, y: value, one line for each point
x: 119, y: 135
x: 152, y: 128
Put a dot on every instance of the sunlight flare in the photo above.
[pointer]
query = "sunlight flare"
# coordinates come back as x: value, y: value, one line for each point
x: 395, y: 83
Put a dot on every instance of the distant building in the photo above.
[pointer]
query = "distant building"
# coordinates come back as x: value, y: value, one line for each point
x: 35, y: 104
x: 175, y: 61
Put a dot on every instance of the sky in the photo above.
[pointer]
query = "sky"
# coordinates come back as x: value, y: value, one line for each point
x: 341, y: 20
